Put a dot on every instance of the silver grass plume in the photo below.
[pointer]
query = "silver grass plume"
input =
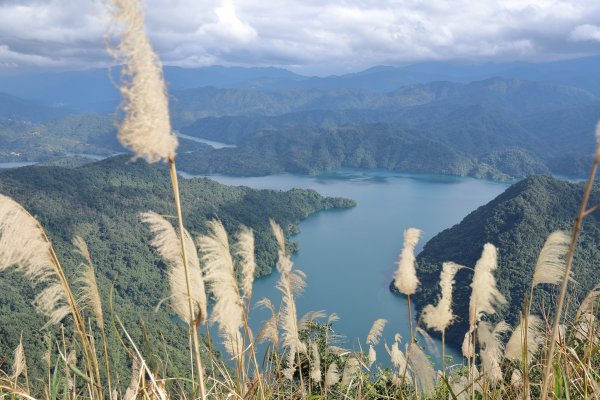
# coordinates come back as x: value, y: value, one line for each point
x: 244, y: 248
x: 550, y: 266
x: 315, y: 367
x: 351, y: 369
x: 146, y: 128
x: 535, y: 338
x: 585, y: 324
x: 166, y: 242
x: 399, y: 362
x: 405, y: 279
x: 309, y: 318
x: 89, y: 295
x: 19, y: 364
x: 459, y: 385
x: 429, y: 342
x: 492, y: 349
x: 134, y: 385
x: 291, y: 283
x: 467, y: 344
x: 439, y: 317
x: 485, y: 295
x: 373, y: 338
x: 269, y: 331
x: 332, y: 376
x: 24, y: 247
x: 423, y: 371
x: 219, y: 271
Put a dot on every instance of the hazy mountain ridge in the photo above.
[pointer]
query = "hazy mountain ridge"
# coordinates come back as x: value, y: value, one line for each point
x: 517, y: 222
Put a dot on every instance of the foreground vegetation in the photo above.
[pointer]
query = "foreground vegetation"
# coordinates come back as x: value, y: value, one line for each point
x: 542, y: 355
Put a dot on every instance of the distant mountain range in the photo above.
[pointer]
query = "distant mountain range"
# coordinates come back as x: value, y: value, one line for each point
x: 539, y: 118
x: 517, y: 222
x: 94, y: 89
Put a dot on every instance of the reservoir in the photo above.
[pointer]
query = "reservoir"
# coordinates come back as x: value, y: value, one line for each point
x: 349, y: 255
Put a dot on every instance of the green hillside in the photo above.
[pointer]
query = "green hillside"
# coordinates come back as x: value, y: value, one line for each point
x: 517, y: 222
x: 101, y: 202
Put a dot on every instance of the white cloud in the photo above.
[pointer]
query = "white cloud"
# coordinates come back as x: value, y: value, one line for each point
x: 586, y: 33
x: 311, y: 36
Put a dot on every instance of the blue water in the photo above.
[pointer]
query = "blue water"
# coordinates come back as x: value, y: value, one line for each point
x: 349, y: 255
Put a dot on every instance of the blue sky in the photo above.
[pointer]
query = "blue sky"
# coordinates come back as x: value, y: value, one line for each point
x: 307, y: 36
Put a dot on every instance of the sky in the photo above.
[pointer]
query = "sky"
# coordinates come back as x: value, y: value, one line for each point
x: 313, y: 37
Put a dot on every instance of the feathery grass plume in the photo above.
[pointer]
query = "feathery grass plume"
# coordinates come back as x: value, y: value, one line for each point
x: 399, y: 362
x: 291, y: 283
x: 351, y: 369
x: 244, y: 248
x: 219, y: 272
x: 332, y: 376
x: 373, y: 338
x: 485, y: 295
x: 550, y: 266
x: 89, y: 295
x: 24, y: 246
x: 315, y: 367
x: 405, y: 279
x: 423, y: 371
x: 19, y: 364
x: 516, y: 379
x: 308, y: 318
x: 585, y: 324
x: 333, y: 317
x: 467, y: 344
x: 146, y: 128
x: 166, y: 242
x: 376, y: 331
x: 535, y: 338
x: 439, y: 317
x: 492, y: 349
x: 134, y: 385
x: 459, y: 387
x: 270, y: 329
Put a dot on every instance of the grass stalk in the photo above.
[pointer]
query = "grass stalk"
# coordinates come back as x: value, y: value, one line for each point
x: 583, y: 211
x: 193, y: 330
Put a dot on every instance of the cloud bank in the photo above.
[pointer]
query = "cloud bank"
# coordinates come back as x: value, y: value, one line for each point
x: 308, y: 36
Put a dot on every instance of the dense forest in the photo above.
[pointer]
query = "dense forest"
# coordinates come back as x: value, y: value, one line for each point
x: 497, y: 129
x: 101, y: 202
x: 517, y: 222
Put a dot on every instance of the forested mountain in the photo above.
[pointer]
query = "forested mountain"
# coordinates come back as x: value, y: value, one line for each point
x: 101, y: 202
x: 496, y: 128
x: 517, y: 222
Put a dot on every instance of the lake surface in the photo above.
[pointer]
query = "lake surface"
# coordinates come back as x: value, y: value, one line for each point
x: 349, y: 255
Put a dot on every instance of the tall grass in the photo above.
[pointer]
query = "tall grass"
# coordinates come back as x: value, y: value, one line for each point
x: 302, y: 358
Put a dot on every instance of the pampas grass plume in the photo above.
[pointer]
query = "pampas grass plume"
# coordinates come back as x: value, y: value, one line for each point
x: 535, y: 338
x: 423, y: 371
x: 146, y: 128
x: 219, y: 272
x: 244, y: 248
x: 166, y: 242
x: 405, y: 279
x: 485, y: 295
x: 315, y: 367
x: 24, y: 247
x: 332, y: 376
x: 439, y: 317
x: 550, y: 266
x: 492, y: 348
x: 19, y: 364
x: 90, y: 296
